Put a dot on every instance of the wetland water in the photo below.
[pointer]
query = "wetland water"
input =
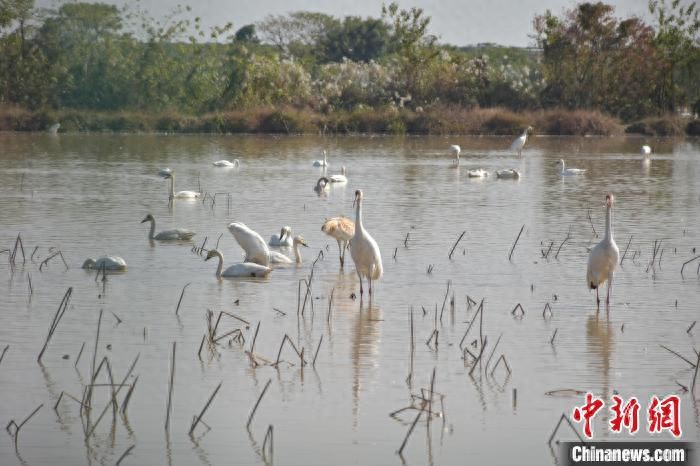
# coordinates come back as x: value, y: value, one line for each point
x: 86, y: 194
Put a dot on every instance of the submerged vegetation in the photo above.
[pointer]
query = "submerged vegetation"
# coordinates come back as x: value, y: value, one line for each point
x: 94, y: 66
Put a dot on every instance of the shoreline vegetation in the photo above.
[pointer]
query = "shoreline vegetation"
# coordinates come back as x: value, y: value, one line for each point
x: 98, y: 67
x: 387, y: 120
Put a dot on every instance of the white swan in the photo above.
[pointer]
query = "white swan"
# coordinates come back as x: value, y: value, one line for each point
x: 179, y: 194
x: 646, y: 151
x: 251, y: 242
x: 519, y: 143
x: 477, y: 173
x: 364, y: 251
x: 167, y: 235
x: 226, y: 163
x: 570, y: 171
x: 455, y: 150
x: 279, y: 258
x: 284, y: 240
x: 322, y: 185
x: 322, y: 163
x: 241, y: 269
x: 342, y: 229
x: 106, y: 262
x: 603, y: 258
x: 510, y: 174
x: 339, y: 178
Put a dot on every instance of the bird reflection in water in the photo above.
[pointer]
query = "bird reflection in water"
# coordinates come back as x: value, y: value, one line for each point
x: 599, y: 338
x: 365, y: 350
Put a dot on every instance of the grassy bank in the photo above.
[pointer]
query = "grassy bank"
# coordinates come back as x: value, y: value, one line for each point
x: 384, y: 120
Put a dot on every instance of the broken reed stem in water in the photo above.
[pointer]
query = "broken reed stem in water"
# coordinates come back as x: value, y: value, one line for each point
x: 410, y: 429
x: 125, y: 403
x: 56, y: 319
x: 444, y: 301
x: 204, y: 410
x: 15, y: 434
x: 255, y: 337
x: 170, y: 388
x: 695, y: 376
x: 182, y: 294
x: 590, y: 220
x: 313, y: 363
x: 551, y: 341
x: 677, y: 354
x: 568, y: 237
x: 330, y: 303
x: 268, y: 435
x: 688, y: 262
x: 449, y: 256
x: 512, y: 249
x: 4, y: 350
x: 495, y: 366
x: 125, y: 454
x: 687, y: 331
x: 564, y: 417
x: 257, y: 403
x: 478, y: 358
x: 432, y: 391
x: 628, y: 246
x: 488, y: 361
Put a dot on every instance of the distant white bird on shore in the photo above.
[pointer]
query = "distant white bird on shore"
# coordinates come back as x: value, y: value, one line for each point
x: 226, y: 163
x: 239, y: 270
x: 570, y: 171
x: 604, y: 257
x: 53, y: 129
x: 519, y: 143
x: 106, y: 263
x: 322, y: 163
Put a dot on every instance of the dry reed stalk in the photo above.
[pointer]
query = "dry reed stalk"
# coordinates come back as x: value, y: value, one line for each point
x: 204, y: 410
x: 56, y: 319
x: 257, y: 403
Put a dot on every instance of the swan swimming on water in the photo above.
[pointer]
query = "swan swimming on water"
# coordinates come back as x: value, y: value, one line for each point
x: 284, y: 240
x: 342, y: 229
x: 251, y: 242
x: 279, y: 258
x: 570, y: 171
x: 322, y: 185
x: 510, y: 174
x: 364, y: 251
x: 477, y: 173
x: 339, y: 178
x: 179, y: 194
x: 226, y: 163
x: 604, y: 257
x: 167, y: 235
x: 106, y: 262
x: 242, y: 269
x: 322, y: 163
x: 519, y: 143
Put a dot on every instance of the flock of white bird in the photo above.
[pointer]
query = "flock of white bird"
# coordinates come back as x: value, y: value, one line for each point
x: 259, y: 258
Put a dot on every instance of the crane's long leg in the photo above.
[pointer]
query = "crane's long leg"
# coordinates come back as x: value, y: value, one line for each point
x: 360, y: 277
x: 369, y: 279
x: 342, y: 257
x: 340, y: 253
x: 597, y: 298
x: 610, y: 280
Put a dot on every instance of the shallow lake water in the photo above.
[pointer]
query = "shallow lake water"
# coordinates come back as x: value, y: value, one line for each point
x: 85, y: 195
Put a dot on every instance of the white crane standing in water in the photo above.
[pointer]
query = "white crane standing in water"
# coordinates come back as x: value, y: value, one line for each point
x: 364, y: 250
x: 519, y: 143
x: 455, y: 150
x: 604, y: 257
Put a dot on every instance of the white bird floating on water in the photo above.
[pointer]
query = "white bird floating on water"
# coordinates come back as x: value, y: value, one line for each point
x: 603, y: 258
x: 645, y: 151
x: 570, y: 171
x: 179, y: 194
x: 241, y: 269
x: 322, y: 163
x: 455, y: 150
x: 364, y: 251
x: 322, y: 185
x: 279, y: 258
x: 510, y: 174
x: 167, y: 235
x: 477, y: 173
x: 226, y: 163
x: 252, y: 243
x: 106, y: 263
x: 339, y: 178
x: 342, y: 229
x: 519, y: 143
x: 284, y: 240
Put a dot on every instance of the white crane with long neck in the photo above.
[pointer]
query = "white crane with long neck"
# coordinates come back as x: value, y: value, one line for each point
x: 364, y: 250
x: 604, y: 257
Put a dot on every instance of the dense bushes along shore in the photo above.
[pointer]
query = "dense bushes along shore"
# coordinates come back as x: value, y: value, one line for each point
x: 385, y: 120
